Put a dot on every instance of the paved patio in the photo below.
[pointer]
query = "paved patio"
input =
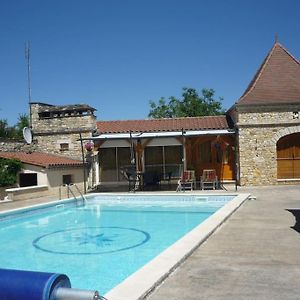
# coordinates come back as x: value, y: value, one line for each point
x: 253, y: 255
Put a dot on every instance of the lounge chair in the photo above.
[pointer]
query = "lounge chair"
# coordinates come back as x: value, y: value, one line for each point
x: 187, y: 181
x: 209, y: 178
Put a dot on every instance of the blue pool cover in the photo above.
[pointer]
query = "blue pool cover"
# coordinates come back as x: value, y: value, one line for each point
x: 19, y: 285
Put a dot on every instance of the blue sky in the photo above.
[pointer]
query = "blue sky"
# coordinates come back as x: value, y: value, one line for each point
x: 116, y: 55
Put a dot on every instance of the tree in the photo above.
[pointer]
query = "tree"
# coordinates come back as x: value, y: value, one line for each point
x: 16, y: 131
x: 9, y: 169
x: 3, y: 128
x: 191, y: 105
x: 23, y: 121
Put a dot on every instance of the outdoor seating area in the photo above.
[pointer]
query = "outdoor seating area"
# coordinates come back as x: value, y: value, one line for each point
x: 153, y: 180
x: 209, y: 179
x: 187, y: 181
x: 140, y: 181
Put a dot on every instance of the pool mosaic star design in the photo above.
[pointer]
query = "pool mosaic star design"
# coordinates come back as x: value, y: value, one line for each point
x: 91, y: 240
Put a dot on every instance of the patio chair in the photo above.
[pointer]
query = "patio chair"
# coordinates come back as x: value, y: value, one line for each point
x: 209, y: 178
x: 130, y: 175
x: 186, y: 181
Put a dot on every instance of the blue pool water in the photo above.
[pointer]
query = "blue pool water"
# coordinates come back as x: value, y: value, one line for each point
x: 102, y: 242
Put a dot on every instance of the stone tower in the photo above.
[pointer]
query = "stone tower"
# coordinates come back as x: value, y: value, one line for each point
x: 56, y: 128
x: 268, y: 123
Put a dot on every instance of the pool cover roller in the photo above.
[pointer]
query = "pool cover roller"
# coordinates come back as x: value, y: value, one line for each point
x: 19, y: 285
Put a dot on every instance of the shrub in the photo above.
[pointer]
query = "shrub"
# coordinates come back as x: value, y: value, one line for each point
x: 9, y: 169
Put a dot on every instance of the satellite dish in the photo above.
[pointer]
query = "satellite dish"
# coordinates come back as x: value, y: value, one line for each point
x: 27, y: 134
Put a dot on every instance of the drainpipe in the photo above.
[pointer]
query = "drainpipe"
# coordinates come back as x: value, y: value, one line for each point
x: 183, y: 149
x: 236, y: 163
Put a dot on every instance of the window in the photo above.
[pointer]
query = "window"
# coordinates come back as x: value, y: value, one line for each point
x: 173, y: 160
x: 64, y: 147
x: 45, y: 115
x: 107, y: 159
x: 164, y: 159
x: 67, y: 179
x: 27, y: 179
x: 288, y: 157
x: 154, y: 159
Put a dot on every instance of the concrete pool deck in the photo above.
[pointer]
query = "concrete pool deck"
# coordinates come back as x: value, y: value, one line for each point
x: 255, y: 254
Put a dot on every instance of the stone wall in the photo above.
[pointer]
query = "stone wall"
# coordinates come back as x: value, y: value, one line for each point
x: 60, y: 124
x: 15, y: 145
x: 51, y: 144
x: 259, y: 132
x: 267, y: 118
x: 50, y: 133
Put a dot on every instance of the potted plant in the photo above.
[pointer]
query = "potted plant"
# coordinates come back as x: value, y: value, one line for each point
x: 89, y: 146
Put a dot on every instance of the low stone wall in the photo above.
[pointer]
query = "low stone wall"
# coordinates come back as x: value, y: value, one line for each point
x: 41, y: 191
x: 25, y: 193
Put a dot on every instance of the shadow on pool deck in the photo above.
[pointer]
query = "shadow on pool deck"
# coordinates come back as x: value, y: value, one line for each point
x: 296, y: 213
x: 253, y: 255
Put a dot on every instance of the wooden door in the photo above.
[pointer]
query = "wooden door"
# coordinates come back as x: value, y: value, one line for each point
x: 211, y: 153
x: 288, y: 157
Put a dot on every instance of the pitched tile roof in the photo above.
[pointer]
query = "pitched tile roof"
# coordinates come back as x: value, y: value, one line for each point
x: 42, y: 159
x: 163, y: 125
x: 276, y: 81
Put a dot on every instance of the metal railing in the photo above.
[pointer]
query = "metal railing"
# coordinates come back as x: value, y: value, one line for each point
x: 72, y: 192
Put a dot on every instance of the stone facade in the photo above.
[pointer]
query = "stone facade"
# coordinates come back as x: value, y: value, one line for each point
x: 14, y: 145
x: 57, y: 129
x: 259, y: 130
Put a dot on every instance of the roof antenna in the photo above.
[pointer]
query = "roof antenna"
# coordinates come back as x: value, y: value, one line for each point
x: 276, y: 37
x: 27, y: 57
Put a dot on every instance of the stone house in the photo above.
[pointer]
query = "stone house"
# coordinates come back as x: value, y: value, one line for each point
x: 44, y: 175
x: 57, y: 128
x: 256, y: 143
x: 267, y: 119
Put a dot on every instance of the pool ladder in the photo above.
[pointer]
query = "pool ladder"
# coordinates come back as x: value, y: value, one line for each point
x: 73, y: 194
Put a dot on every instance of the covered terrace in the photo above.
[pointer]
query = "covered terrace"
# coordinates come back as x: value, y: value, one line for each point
x: 164, y: 146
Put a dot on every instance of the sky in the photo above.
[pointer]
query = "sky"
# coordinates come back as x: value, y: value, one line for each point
x: 116, y: 55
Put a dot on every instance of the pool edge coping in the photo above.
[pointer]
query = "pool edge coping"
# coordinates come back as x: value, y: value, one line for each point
x: 142, y: 282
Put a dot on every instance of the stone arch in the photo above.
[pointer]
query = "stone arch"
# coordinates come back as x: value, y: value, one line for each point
x: 283, y: 132
x: 288, y: 156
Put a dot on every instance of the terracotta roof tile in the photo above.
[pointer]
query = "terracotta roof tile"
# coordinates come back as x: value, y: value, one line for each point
x: 163, y: 125
x: 276, y: 81
x: 42, y: 159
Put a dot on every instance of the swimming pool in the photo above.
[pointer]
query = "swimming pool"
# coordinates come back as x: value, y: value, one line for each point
x: 100, y: 243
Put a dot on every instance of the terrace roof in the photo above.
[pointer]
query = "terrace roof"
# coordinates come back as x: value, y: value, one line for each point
x: 163, y: 125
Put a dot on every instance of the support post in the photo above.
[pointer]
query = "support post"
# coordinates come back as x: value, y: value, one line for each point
x: 83, y: 164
